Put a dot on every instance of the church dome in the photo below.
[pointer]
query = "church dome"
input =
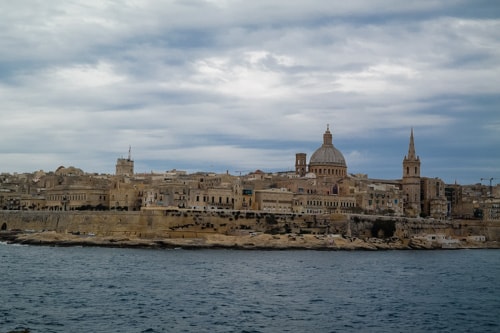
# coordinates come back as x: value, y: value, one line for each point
x: 69, y: 171
x: 327, y: 154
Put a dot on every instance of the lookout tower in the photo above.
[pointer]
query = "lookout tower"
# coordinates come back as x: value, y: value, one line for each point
x: 125, y: 166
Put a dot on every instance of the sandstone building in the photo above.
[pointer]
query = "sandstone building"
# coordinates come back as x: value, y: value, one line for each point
x: 321, y: 185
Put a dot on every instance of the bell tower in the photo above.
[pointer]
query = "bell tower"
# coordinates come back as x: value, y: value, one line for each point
x: 411, y: 181
x: 300, y: 164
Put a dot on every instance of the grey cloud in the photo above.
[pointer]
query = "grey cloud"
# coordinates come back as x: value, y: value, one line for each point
x: 183, y: 81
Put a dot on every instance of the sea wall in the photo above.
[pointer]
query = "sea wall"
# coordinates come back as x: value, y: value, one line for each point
x: 193, y: 224
x: 366, y: 226
x: 159, y: 223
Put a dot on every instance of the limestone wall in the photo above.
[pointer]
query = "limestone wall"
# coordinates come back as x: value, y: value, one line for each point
x: 189, y: 224
x: 153, y: 223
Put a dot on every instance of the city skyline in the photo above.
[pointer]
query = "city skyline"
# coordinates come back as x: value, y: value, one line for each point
x: 238, y: 86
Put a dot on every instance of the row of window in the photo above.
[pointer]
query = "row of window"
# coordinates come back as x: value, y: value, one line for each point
x: 77, y: 197
x: 319, y: 211
x: 370, y: 202
x: 330, y: 203
x: 328, y: 171
x: 220, y: 200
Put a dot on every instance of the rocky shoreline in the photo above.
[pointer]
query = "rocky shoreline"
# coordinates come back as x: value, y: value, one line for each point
x: 245, y: 242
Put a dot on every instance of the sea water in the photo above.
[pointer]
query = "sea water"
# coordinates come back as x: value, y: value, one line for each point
x: 75, y: 289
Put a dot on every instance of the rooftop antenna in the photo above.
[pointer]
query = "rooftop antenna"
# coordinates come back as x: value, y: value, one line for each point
x: 129, y: 153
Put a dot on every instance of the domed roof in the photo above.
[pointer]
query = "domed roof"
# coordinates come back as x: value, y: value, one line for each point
x: 327, y: 153
x: 69, y: 171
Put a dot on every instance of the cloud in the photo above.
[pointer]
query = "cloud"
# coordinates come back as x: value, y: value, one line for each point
x: 238, y: 84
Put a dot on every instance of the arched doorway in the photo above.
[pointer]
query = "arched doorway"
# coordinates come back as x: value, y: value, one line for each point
x: 4, y: 226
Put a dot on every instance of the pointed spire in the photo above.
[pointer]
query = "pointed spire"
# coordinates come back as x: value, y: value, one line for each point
x: 411, y: 147
x: 130, y: 153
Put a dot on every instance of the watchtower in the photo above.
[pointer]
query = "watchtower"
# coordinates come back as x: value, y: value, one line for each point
x: 125, y: 166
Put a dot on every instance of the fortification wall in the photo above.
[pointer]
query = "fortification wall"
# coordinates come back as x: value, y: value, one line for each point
x: 153, y: 223
x: 192, y: 224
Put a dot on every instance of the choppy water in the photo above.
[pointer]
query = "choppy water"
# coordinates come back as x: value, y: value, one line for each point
x: 51, y: 289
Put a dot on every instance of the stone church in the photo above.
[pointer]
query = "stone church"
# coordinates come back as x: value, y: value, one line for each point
x: 326, y: 161
x: 412, y: 195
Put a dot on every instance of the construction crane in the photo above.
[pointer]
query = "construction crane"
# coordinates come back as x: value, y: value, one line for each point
x: 491, y: 187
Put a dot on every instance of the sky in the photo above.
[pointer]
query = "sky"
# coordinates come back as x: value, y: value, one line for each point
x: 234, y: 85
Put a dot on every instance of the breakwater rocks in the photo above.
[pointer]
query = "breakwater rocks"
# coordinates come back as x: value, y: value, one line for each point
x: 240, y: 229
